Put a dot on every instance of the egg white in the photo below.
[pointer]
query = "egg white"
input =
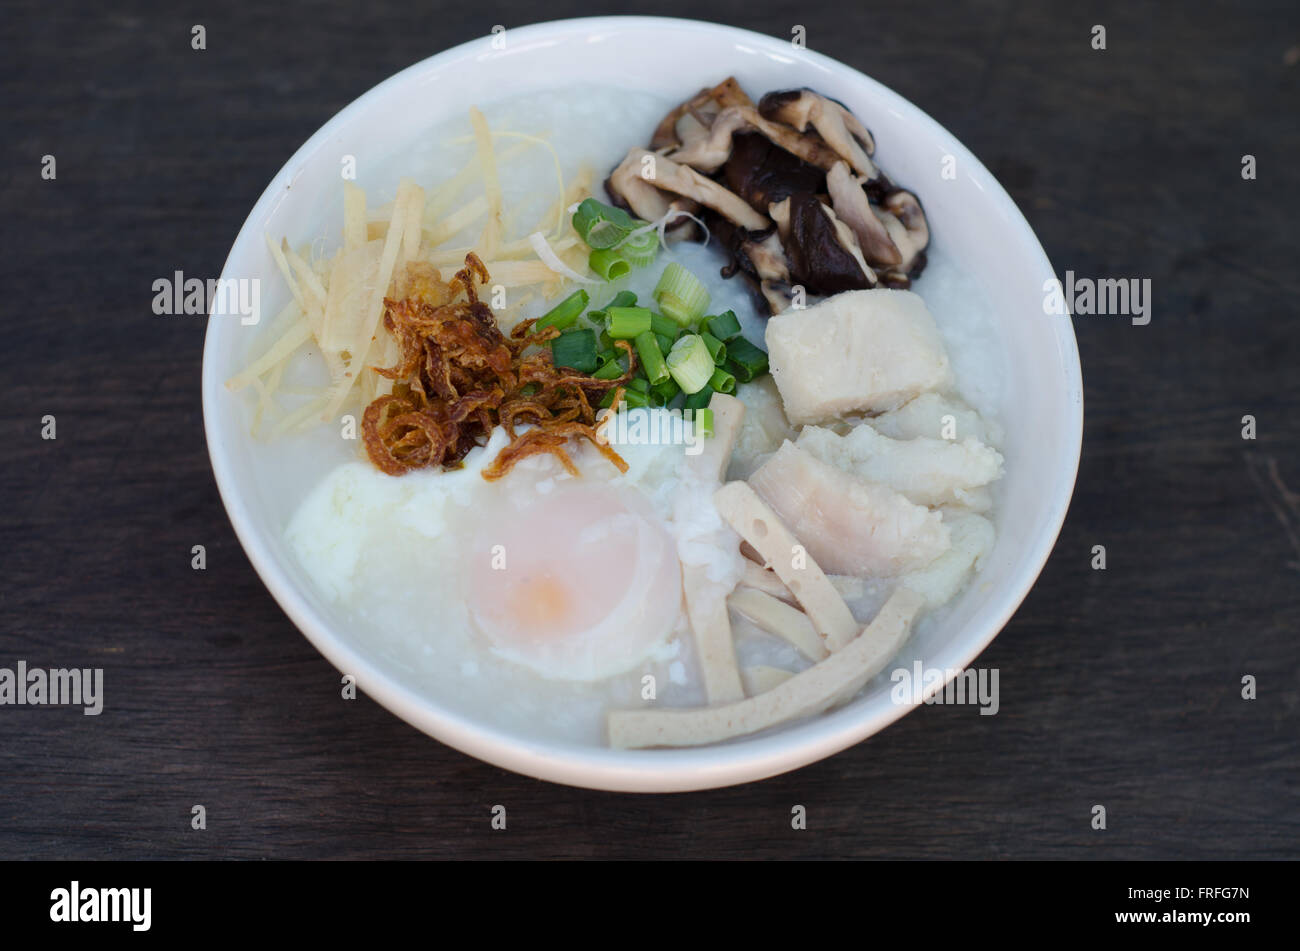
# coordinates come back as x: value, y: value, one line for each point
x: 395, y: 552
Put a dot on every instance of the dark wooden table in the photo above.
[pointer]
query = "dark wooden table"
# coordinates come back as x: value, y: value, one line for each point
x: 1119, y: 687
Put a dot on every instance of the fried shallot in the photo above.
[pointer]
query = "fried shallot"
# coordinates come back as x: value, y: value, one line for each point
x: 458, y: 377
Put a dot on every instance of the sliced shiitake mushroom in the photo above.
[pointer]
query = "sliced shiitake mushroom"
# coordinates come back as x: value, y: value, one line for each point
x: 683, y: 180
x: 761, y: 173
x: 702, y: 107
x: 853, y: 208
x: 823, y: 252
x: 630, y: 190
x: 838, y: 127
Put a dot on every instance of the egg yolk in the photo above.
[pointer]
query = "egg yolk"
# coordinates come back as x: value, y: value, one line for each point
x: 580, y: 584
x: 544, y: 601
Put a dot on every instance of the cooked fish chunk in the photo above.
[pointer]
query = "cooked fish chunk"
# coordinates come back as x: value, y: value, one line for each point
x: 927, y: 415
x: 937, y: 582
x: 927, y: 471
x: 848, y: 525
x: 859, y: 351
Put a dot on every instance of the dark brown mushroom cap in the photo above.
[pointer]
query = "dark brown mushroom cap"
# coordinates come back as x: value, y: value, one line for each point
x: 761, y: 173
x: 818, y: 259
x: 783, y: 104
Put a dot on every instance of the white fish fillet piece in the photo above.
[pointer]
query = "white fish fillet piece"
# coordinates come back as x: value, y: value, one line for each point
x: 926, y: 416
x: 972, y: 538
x: 850, y: 526
x: 859, y: 351
x: 927, y: 471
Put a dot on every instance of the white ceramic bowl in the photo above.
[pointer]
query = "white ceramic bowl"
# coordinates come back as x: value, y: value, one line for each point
x: 972, y: 218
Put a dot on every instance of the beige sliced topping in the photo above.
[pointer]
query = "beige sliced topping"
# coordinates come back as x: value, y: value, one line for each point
x: 806, y: 693
x: 706, y: 604
x: 710, y: 463
x: 706, y: 609
x: 776, y: 617
x: 409, y: 202
x: 354, y: 217
x: 757, y: 524
x: 338, y: 299
x: 352, y: 280
x: 761, y: 678
x: 765, y: 580
x: 293, y: 338
x: 492, y: 230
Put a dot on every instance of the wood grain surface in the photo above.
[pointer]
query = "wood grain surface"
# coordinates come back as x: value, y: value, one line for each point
x: 1119, y: 687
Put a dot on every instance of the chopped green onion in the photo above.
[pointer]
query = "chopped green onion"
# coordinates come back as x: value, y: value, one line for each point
x: 680, y: 294
x: 725, y: 326
x: 690, y: 364
x: 621, y: 299
x: 745, y: 360
x: 610, y: 369
x: 664, y: 327
x: 639, y: 384
x: 652, y: 358
x: 627, y: 323
x: 640, y: 249
x: 703, y: 418
x: 608, y: 264
x: 600, y: 225
x: 666, y: 391
x: 665, y: 341
x: 565, y: 313
x: 700, y: 398
x: 632, y: 399
x: 576, y: 350
x: 717, y: 349
x: 722, y: 381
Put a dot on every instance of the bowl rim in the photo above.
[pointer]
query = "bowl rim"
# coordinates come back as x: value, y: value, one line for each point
x: 648, y: 771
